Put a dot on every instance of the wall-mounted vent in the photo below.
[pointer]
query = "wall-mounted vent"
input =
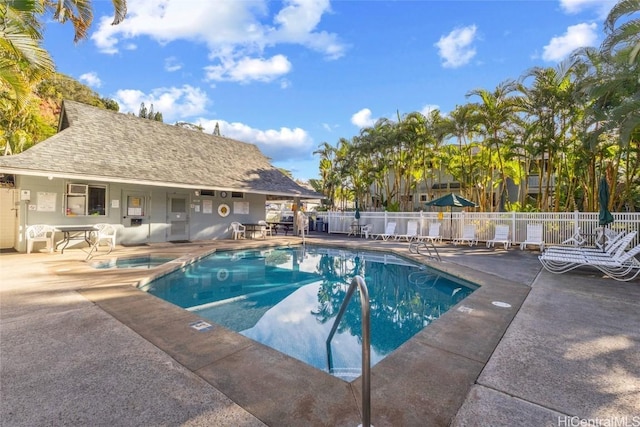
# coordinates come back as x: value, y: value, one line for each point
x: 77, y: 189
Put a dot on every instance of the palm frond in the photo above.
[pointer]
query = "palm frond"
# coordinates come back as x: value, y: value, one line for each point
x: 620, y: 9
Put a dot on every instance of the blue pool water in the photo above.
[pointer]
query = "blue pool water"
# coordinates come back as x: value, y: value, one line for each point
x: 287, y: 298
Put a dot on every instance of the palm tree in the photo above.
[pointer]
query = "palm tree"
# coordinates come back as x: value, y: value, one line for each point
x: 378, y: 143
x: 610, y: 89
x: 496, y: 112
x: 627, y: 35
x: 80, y: 13
x: 327, y: 171
x: 463, y: 125
x: 22, y: 58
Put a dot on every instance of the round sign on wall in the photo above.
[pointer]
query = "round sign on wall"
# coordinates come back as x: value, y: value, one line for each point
x: 223, y: 210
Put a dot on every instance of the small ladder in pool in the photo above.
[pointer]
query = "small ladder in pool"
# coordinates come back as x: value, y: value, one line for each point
x: 358, y: 282
x: 414, y: 248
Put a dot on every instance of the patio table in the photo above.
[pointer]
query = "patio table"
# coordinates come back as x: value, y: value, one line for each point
x: 77, y: 233
x: 251, y: 229
x: 356, y: 230
x: 286, y: 226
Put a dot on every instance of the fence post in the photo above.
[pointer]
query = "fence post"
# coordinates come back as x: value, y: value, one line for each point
x: 576, y: 217
x: 513, y: 226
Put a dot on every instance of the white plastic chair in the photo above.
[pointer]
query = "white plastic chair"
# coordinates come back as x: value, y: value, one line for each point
x: 434, y: 233
x: 388, y: 232
x: 412, y: 232
x: 366, y: 229
x: 40, y: 233
x: 265, y: 229
x: 501, y: 236
x: 106, y: 233
x: 468, y: 235
x: 239, y: 231
x: 303, y: 223
x: 535, y: 234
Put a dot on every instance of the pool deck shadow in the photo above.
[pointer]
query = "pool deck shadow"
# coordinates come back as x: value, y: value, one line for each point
x: 526, y: 348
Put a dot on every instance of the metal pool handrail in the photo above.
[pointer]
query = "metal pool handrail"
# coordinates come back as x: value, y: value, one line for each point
x: 414, y: 247
x: 358, y: 282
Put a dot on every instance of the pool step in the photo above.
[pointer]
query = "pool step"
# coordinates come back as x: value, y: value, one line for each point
x: 346, y: 374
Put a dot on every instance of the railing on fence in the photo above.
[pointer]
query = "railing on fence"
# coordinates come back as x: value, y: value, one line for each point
x: 557, y: 226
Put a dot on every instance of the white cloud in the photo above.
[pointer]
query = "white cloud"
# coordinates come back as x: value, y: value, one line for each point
x: 248, y: 69
x: 188, y: 104
x: 328, y: 127
x: 172, y: 64
x: 427, y: 109
x: 175, y: 103
x: 236, y: 32
x: 580, y: 35
x: 278, y: 144
x: 456, y: 47
x: 91, y: 79
x: 363, y: 118
x: 601, y: 7
x: 285, y: 84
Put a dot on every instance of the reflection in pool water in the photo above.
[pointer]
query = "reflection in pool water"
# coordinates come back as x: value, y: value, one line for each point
x: 288, y: 299
x: 139, y: 262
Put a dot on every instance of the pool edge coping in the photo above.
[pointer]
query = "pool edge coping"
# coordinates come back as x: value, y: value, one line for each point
x: 384, y: 407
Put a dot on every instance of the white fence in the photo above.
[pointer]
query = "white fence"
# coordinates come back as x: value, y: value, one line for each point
x: 557, y: 226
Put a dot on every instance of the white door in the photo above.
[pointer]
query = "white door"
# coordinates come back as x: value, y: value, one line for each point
x: 177, y: 217
x: 8, y: 217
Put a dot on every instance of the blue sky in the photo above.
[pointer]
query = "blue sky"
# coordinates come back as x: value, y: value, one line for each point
x: 291, y: 75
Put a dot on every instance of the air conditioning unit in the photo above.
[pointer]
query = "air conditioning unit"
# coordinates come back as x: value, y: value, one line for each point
x: 77, y: 189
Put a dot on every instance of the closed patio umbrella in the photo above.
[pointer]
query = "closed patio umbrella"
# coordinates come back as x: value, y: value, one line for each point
x: 604, y: 216
x: 453, y: 200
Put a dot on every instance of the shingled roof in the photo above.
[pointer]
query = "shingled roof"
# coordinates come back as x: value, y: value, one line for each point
x: 103, y: 145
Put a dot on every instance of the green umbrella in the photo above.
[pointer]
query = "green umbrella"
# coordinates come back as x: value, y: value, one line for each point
x: 604, y: 217
x: 451, y: 200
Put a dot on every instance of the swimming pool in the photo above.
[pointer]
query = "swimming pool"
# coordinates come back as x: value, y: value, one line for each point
x: 287, y: 298
x: 139, y: 262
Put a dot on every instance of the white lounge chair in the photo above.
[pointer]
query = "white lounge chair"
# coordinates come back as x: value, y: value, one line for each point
x: 577, y: 239
x: 614, y: 249
x: 501, y: 236
x: 40, y: 233
x: 535, y: 236
x: 622, y: 266
x: 412, y: 231
x: 468, y: 235
x: 238, y: 231
x: 434, y: 233
x: 607, y: 236
x: 388, y: 232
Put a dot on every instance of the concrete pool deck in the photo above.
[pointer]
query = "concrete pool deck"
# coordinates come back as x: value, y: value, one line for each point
x: 80, y: 346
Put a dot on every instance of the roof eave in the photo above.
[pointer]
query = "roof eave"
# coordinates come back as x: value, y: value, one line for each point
x: 98, y: 178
